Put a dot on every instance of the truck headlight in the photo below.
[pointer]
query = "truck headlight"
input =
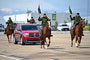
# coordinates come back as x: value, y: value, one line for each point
x: 26, y: 34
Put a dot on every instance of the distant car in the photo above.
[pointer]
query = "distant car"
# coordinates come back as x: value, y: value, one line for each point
x: 53, y: 28
x: 63, y: 27
x: 2, y: 28
x: 26, y: 33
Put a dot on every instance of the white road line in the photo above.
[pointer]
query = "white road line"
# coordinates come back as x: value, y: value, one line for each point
x: 9, y: 57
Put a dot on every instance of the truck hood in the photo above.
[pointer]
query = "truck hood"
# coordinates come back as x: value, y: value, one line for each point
x: 30, y: 31
x: 63, y: 27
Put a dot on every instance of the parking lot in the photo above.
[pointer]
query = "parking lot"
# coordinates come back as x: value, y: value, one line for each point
x: 60, y: 49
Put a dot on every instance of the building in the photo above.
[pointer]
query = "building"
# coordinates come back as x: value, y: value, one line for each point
x: 22, y: 18
x: 19, y: 18
x: 59, y: 17
x: 2, y: 21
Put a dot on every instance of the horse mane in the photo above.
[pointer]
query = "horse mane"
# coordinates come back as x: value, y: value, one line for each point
x: 79, y: 28
x: 47, y: 24
x: 10, y: 26
x: 9, y: 29
x: 81, y: 23
x: 46, y: 29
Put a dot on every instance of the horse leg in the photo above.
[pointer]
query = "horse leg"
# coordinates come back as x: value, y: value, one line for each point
x: 79, y: 41
x: 8, y: 38
x: 71, y: 32
x: 76, y: 41
x: 49, y: 41
x: 45, y: 43
x: 72, y: 41
x: 40, y: 42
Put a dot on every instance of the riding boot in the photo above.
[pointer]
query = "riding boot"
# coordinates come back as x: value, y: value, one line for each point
x: 73, y: 30
x: 41, y: 35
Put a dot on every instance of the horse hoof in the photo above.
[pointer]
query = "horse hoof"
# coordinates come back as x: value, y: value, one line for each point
x: 76, y: 46
x: 9, y: 42
x: 79, y: 45
x: 71, y: 46
x: 41, y: 47
x: 48, y: 46
x: 45, y: 46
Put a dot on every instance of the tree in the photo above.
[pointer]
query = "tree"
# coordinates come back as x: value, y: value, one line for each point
x: 86, y: 22
x: 65, y: 21
x: 56, y: 23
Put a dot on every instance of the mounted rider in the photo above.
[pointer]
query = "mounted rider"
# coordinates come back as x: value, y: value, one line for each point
x: 44, y: 20
x: 8, y: 22
x: 31, y: 21
x: 77, y: 20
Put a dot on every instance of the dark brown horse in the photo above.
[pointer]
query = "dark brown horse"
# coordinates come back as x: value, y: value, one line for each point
x: 46, y: 34
x: 78, y: 33
x: 9, y: 32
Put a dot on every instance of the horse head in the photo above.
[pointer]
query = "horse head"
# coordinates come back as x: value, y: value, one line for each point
x: 47, y: 24
x: 82, y: 23
x: 10, y: 26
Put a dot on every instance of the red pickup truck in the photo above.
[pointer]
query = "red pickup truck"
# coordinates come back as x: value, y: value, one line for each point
x: 26, y: 33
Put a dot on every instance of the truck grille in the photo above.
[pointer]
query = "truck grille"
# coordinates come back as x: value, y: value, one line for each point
x: 33, y: 35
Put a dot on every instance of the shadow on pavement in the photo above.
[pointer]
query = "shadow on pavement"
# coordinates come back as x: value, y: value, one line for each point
x: 55, y: 48
x: 55, y: 58
x: 84, y: 47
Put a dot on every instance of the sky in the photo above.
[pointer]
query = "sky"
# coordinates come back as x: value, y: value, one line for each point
x: 9, y: 7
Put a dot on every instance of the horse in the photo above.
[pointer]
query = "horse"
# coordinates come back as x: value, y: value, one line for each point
x: 9, y: 32
x: 78, y: 33
x: 46, y: 34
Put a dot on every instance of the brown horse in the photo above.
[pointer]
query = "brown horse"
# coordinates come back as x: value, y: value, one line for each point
x: 78, y: 33
x: 9, y: 32
x: 46, y: 34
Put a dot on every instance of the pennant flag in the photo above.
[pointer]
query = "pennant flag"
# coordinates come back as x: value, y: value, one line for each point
x: 39, y: 10
x: 70, y: 10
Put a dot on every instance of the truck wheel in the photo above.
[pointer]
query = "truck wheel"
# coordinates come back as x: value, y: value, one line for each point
x: 15, y: 41
x: 22, y: 42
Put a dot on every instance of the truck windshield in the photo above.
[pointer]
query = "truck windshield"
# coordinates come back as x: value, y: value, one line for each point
x: 64, y: 25
x: 29, y: 27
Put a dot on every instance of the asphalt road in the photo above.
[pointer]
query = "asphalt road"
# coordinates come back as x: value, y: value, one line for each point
x: 59, y: 49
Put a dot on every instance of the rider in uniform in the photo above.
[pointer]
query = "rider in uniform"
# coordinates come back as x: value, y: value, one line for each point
x: 8, y: 22
x: 77, y: 20
x: 44, y: 20
x: 31, y: 21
